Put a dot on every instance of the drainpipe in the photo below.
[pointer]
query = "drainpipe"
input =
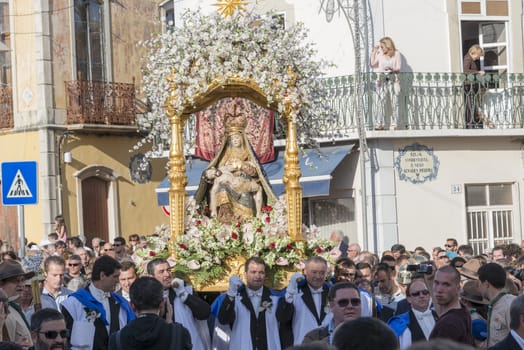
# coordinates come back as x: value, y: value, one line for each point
x: 62, y: 137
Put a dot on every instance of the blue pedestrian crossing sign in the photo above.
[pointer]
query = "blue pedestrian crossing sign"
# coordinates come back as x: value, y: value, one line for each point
x: 19, y: 183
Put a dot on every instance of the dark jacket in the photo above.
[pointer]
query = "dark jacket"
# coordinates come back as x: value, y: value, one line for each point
x: 151, y: 332
x: 508, y: 343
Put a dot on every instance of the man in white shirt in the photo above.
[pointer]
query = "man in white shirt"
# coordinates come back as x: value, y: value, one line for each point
x: 127, y: 277
x: 251, y: 310
x: 95, y: 312
x: 306, y: 303
x: 418, y: 322
x: 182, y: 305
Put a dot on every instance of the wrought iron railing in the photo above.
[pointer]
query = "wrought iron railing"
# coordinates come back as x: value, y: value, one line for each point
x: 419, y: 101
x: 96, y: 102
x: 6, y: 108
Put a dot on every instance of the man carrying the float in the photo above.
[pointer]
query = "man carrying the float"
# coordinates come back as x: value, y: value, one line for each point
x: 182, y: 305
x: 305, y: 306
x: 250, y: 310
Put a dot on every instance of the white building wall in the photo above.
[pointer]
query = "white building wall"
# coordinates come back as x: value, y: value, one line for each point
x: 428, y: 213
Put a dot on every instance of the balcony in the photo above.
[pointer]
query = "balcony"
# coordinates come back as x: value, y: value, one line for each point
x: 6, y: 108
x: 424, y: 101
x: 96, y: 102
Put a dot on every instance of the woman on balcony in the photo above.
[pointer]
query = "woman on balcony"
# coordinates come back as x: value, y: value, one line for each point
x: 472, y: 93
x: 386, y: 59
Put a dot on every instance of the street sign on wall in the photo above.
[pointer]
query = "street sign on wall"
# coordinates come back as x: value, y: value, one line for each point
x: 19, y: 183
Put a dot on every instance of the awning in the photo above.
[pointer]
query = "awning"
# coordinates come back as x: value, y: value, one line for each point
x: 315, y: 180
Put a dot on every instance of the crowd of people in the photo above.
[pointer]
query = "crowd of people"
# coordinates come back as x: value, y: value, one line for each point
x: 65, y: 295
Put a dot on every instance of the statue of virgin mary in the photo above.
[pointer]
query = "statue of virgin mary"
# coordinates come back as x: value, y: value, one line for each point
x: 234, y: 183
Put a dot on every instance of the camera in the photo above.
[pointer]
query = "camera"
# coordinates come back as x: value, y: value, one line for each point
x: 518, y: 273
x: 425, y: 268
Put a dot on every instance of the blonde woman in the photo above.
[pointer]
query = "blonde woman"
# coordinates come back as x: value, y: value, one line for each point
x: 385, y: 58
x: 472, y: 93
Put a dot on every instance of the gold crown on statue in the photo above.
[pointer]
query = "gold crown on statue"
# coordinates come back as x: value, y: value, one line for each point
x: 235, y: 122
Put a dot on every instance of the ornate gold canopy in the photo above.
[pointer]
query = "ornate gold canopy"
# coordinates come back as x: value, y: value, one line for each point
x: 180, y: 111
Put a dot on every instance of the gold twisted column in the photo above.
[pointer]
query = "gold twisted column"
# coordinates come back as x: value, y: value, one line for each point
x: 177, y: 176
x: 291, y: 178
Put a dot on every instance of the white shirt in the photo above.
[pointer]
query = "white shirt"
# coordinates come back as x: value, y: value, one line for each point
x: 317, y: 297
x: 256, y: 297
x: 517, y: 338
x: 425, y: 320
x: 103, y: 298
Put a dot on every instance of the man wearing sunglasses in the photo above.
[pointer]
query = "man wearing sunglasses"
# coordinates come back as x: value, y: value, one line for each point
x: 119, y: 243
x: 73, y: 278
x: 344, y: 304
x: 418, y: 322
x: 48, y: 330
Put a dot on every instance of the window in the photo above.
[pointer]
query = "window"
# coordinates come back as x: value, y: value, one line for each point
x: 5, y: 44
x: 90, y: 40
x: 489, y: 212
x: 484, y: 7
x: 329, y: 214
x: 167, y: 13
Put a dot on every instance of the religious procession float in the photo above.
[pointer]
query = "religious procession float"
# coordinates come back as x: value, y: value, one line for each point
x: 236, y: 77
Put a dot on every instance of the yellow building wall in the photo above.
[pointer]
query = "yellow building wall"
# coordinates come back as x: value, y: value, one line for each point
x: 25, y: 54
x: 138, y: 211
x: 18, y: 147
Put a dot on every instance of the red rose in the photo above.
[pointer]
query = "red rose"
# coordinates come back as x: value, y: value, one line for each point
x: 237, y: 224
x: 266, y: 208
x: 289, y: 247
x: 259, y: 229
x: 182, y: 246
x: 272, y: 245
x: 318, y: 250
x: 152, y: 253
x: 267, y: 219
x: 198, y: 222
x: 234, y: 235
x: 206, y: 209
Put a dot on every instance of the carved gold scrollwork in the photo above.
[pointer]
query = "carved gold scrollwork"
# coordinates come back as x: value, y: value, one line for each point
x: 234, y: 86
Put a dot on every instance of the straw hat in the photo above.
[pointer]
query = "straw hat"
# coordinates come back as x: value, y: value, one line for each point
x: 471, y: 292
x: 470, y: 269
x: 11, y: 268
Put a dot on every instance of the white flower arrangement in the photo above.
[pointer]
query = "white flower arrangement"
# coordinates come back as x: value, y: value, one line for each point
x: 206, y: 245
x: 207, y: 48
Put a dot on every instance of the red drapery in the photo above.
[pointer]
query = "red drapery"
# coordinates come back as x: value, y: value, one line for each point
x: 259, y: 129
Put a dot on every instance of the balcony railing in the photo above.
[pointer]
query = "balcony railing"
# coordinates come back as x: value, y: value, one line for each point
x: 96, y: 102
x: 6, y: 108
x: 422, y: 101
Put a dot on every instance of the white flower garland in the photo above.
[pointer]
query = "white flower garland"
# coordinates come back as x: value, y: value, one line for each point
x: 209, y: 47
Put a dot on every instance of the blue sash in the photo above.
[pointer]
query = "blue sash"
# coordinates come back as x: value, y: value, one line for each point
x: 89, y: 301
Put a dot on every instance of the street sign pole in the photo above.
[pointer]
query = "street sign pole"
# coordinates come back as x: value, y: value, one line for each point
x: 21, y: 230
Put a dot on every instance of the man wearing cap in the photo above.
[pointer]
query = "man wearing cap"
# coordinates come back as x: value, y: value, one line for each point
x: 492, y: 279
x: 418, y: 322
x: 54, y: 291
x: 12, y: 278
x: 474, y: 301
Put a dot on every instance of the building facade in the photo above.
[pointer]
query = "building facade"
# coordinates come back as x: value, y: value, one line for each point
x: 418, y: 182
